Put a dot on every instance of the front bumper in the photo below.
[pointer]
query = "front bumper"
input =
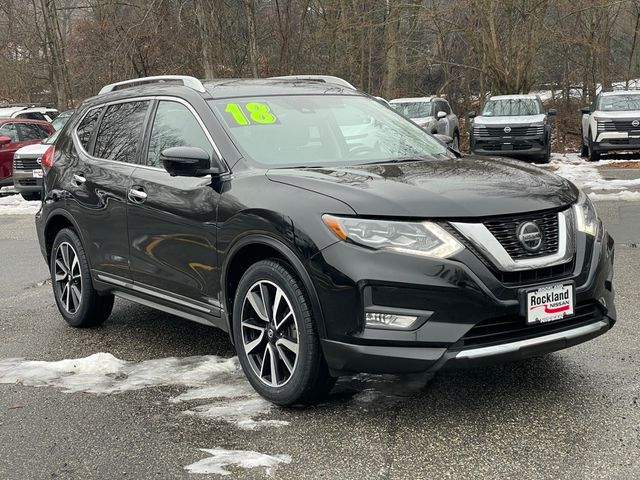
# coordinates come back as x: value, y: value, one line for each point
x: 24, y: 181
x: 374, y: 359
x: 521, y: 146
x: 473, y: 315
x: 616, y: 141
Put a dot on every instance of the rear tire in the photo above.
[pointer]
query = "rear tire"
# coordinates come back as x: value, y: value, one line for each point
x: 279, y: 352
x: 79, y: 303
x: 31, y: 196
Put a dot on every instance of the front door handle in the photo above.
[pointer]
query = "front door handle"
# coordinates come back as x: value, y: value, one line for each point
x: 137, y: 194
x: 78, y: 179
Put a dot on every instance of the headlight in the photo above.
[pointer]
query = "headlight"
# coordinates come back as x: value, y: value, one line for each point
x: 586, y: 216
x: 424, y: 238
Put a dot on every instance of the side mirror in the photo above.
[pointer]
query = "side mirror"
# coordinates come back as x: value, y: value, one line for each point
x: 586, y: 110
x: 472, y: 114
x: 4, y: 140
x: 187, y: 162
x: 441, y: 114
x: 552, y: 112
x: 446, y: 139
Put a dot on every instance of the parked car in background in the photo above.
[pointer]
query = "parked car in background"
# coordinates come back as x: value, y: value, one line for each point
x: 15, y: 134
x: 431, y: 113
x: 512, y: 125
x: 27, y: 171
x: 45, y: 114
x: 611, y: 123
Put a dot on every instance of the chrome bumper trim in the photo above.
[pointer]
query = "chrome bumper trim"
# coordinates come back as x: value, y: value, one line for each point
x: 512, y: 347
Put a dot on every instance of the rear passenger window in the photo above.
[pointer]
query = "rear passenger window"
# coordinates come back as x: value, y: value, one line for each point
x: 9, y: 130
x: 175, y: 126
x: 28, y: 132
x: 86, y: 127
x: 32, y: 116
x: 120, y: 131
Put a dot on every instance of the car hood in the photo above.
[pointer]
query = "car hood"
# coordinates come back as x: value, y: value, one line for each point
x: 422, y: 120
x: 622, y: 114
x: 450, y: 188
x: 509, y: 120
x: 35, y: 150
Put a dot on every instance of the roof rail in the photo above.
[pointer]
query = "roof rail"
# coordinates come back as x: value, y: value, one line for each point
x: 317, y: 78
x: 187, y: 81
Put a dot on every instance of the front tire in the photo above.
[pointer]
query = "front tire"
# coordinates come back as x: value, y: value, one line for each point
x: 79, y: 303
x: 276, y: 336
x: 584, y: 149
x: 594, y: 155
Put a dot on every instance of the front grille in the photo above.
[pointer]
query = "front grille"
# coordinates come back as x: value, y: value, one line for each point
x: 513, y: 328
x: 505, y: 229
x: 522, y: 277
x: 26, y: 164
x: 523, y: 131
x: 618, y: 125
x: 28, y: 182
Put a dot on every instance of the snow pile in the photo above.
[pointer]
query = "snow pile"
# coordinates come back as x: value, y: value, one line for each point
x: 16, y: 205
x: 219, y: 380
x: 587, y: 175
x: 221, y: 458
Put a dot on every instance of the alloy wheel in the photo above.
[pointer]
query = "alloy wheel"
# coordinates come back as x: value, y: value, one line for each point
x: 270, y: 333
x: 68, y: 277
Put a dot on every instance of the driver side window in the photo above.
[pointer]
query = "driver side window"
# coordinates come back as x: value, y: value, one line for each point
x: 175, y: 126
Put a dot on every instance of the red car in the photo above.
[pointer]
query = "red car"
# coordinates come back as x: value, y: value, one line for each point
x: 14, y: 134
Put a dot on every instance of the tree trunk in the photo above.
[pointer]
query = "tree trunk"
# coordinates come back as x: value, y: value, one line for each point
x: 204, y: 13
x: 250, y: 10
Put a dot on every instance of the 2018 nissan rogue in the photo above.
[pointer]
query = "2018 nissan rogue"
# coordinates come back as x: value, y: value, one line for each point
x: 252, y: 206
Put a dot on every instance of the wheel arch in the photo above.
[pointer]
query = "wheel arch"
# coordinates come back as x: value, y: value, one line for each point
x: 56, y: 221
x: 251, y: 249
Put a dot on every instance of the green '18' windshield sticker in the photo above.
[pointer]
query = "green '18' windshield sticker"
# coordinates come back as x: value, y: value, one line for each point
x: 251, y: 113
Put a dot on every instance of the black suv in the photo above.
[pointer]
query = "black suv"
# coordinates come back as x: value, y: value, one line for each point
x: 325, y: 232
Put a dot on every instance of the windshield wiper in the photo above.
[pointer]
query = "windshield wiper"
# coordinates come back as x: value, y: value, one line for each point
x: 415, y: 158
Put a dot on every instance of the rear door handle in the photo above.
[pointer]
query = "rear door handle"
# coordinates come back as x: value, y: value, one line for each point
x: 78, y: 179
x: 137, y: 194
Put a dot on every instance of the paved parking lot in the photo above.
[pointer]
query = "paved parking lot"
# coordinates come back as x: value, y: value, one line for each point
x: 572, y: 414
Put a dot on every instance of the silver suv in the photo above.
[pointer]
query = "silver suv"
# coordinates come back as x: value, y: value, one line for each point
x: 432, y: 114
x: 512, y: 125
x: 611, y: 123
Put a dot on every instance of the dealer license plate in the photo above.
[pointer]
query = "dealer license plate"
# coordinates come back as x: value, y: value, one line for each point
x: 550, y: 303
x: 37, y: 173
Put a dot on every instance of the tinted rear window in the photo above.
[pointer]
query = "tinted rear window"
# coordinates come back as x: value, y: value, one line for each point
x: 120, y: 131
x: 86, y: 127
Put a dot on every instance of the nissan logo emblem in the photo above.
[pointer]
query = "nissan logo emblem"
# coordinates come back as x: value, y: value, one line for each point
x: 635, y: 123
x: 530, y: 236
x: 507, y: 129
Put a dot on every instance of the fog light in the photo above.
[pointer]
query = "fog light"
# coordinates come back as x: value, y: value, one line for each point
x: 389, y: 320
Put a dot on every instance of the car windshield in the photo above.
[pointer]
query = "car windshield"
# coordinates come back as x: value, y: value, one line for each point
x: 414, y: 109
x: 619, y: 102
x: 60, y: 121
x: 507, y: 107
x: 323, y: 130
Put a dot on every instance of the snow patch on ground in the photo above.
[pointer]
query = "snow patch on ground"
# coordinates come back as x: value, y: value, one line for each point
x: 587, y: 175
x: 16, y: 205
x: 215, y: 379
x: 624, y: 196
x: 221, y: 458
